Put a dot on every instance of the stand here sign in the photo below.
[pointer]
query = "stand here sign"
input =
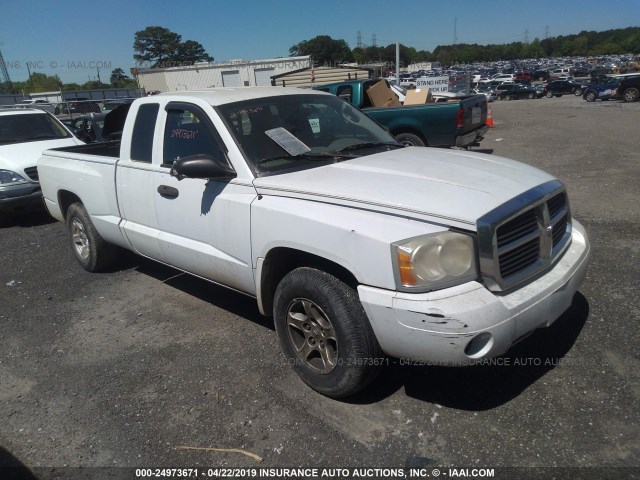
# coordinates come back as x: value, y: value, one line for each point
x: 434, y: 84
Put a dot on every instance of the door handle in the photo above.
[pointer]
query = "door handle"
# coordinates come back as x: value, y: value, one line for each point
x: 168, y: 192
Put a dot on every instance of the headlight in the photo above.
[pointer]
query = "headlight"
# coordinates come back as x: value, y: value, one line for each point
x: 7, y: 176
x: 434, y: 261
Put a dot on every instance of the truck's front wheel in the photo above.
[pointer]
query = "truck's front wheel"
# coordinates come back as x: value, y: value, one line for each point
x: 410, y: 140
x: 324, y: 333
x: 89, y: 248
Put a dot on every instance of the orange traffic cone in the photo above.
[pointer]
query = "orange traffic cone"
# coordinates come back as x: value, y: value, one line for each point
x: 489, y: 116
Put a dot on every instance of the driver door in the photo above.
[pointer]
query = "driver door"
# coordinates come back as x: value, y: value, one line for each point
x: 204, y: 224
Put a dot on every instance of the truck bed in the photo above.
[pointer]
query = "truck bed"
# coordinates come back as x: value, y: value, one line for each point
x: 104, y: 149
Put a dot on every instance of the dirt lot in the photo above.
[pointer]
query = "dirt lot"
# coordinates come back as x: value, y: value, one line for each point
x: 120, y: 369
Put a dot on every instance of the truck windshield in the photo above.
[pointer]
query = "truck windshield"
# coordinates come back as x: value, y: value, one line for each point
x: 29, y: 128
x: 298, y: 131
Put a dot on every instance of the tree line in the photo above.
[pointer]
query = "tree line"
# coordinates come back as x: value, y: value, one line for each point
x: 326, y: 51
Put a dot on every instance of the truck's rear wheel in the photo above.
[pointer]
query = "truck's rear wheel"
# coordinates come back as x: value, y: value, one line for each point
x: 89, y: 248
x: 410, y: 140
x: 324, y: 333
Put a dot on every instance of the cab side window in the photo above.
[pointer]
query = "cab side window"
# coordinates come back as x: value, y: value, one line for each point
x: 188, y: 132
x: 142, y: 137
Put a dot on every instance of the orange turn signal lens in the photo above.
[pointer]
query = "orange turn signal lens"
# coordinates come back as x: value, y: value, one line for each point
x: 407, y: 277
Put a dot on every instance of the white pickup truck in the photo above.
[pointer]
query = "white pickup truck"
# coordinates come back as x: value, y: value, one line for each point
x: 361, y: 249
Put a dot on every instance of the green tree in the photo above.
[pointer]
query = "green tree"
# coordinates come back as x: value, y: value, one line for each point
x: 40, y: 82
x: 323, y: 50
x: 158, y: 46
x: 71, y: 86
x: 192, y: 52
x: 95, y: 85
x: 118, y: 78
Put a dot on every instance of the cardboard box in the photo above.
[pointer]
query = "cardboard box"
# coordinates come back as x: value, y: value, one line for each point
x: 419, y: 96
x: 382, y: 96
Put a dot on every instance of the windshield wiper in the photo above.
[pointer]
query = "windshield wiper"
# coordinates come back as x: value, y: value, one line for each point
x: 306, y: 156
x: 360, y: 146
x: 41, y: 137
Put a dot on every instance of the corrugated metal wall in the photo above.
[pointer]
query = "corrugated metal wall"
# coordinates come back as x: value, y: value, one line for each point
x: 210, y: 75
x: 320, y: 76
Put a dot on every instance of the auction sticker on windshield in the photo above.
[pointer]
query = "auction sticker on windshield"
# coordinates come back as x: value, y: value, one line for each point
x: 288, y: 141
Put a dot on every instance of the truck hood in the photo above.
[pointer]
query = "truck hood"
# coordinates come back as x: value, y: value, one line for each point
x: 18, y: 156
x: 450, y: 187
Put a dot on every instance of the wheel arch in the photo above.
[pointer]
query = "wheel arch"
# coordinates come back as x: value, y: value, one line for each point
x: 65, y: 200
x: 408, y: 129
x: 280, y: 261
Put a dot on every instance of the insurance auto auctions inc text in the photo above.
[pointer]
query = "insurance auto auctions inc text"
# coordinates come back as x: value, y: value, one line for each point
x: 349, y: 473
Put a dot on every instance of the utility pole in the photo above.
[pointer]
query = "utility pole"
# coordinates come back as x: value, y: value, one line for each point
x: 398, y: 64
x: 455, y: 30
x: 5, y: 81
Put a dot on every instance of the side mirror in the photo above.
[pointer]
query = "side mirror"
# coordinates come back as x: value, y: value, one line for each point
x: 202, y: 166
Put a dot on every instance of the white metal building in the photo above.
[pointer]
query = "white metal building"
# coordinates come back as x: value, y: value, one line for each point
x: 235, y: 73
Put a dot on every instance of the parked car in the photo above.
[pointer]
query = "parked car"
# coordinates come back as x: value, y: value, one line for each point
x: 492, y: 84
x: 557, y: 88
x: 24, y: 134
x: 487, y: 92
x: 112, y: 103
x: 505, y: 77
x: 559, y: 72
x: 522, y: 76
x: 77, y: 105
x: 541, y: 75
x: 87, y: 127
x: 629, y: 88
x: 99, y: 127
x: 539, y: 89
x: 602, y: 90
x: 513, y: 91
x: 40, y: 104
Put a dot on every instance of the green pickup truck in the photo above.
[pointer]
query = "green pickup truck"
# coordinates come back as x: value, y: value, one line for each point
x: 459, y: 122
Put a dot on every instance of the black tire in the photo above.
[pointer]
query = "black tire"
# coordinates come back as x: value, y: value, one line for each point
x: 324, y: 333
x: 577, y: 92
x: 92, y: 252
x: 590, y: 96
x: 410, y: 140
x: 549, y: 94
x: 631, y: 94
x: 507, y: 97
x: 531, y: 95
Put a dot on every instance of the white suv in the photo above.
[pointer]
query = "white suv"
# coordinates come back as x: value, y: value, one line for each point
x: 24, y: 134
x: 37, y: 103
x: 505, y: 77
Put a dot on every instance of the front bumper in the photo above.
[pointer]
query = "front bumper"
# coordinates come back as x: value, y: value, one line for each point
x: 472, y: 137
x: 462, y: 325
x: 21, y: 197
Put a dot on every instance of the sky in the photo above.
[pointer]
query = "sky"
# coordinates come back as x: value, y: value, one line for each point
x: 80, y: 40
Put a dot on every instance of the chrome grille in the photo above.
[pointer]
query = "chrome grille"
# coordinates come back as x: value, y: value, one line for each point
x: 32, y: 173
x: 524, y: 236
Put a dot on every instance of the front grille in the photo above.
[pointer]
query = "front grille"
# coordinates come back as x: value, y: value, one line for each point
x: 32, y: 173
x: 515, y: 245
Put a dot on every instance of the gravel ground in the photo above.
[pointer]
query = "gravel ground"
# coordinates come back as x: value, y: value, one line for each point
x: 122, y: 368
